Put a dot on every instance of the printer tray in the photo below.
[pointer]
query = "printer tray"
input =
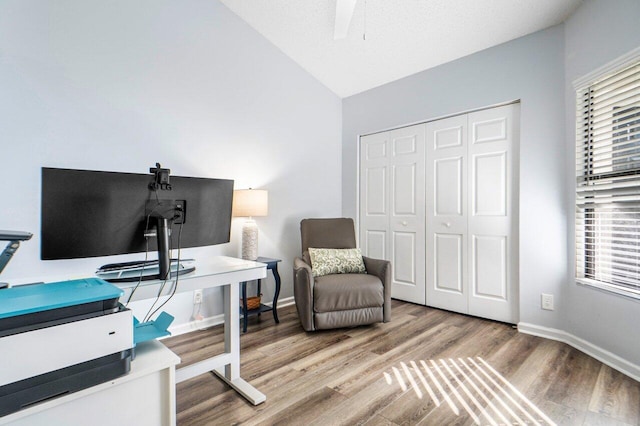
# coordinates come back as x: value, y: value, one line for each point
x: 25, y: 393
x: 36, y: 320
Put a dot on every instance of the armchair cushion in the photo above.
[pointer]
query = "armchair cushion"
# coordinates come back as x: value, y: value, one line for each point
x: 325, y: 261
x: 340, y: 292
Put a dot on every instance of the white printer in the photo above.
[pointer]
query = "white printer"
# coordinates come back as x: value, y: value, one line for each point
x: 58, y: 338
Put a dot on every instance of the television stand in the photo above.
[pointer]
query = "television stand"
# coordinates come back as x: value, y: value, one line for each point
x: 143, y: 270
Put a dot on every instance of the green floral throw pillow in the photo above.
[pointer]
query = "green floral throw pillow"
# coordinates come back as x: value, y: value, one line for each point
x: 336, y: 261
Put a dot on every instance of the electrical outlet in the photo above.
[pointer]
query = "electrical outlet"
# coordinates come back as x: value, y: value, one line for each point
x: 547, y: 301
x: 197, y: 297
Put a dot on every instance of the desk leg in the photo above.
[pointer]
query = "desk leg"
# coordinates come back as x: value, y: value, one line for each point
x: 231, y: 372
x: 232, y: 331
x: 245, y: 309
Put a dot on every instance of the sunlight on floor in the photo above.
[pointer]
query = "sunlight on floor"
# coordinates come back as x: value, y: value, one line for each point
x: 468, y: 385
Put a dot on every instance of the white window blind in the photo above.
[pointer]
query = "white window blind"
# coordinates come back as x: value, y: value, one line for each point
x: 608, y: 182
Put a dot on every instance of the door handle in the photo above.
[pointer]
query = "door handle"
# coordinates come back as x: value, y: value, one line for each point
x: 404, y: 223
x: 447, y: 224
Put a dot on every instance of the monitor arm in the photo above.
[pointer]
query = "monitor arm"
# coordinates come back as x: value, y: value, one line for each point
x: 14, y: 238
x: 164, y: 260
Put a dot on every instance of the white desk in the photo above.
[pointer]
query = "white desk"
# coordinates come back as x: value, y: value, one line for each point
x: 144, y: 397
x: 219, y: 271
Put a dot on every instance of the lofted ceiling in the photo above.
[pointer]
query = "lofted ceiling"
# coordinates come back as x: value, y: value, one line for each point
x: 390, y: 39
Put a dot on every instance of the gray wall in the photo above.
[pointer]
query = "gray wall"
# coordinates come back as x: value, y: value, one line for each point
x: 120, y: 85
x: 599, y: 32
x: 529, y: 69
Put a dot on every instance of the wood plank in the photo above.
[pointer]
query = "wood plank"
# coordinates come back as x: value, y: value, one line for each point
x: 616, y: 396
x: 574, y: 381
x: 411, y: 408
x: 338, y: 376
x: 360, y: 407
x: 537, y: 372
x: 307, y: 409
x: 368, y: 373
x: 379, y: 421
x: 562, y: 415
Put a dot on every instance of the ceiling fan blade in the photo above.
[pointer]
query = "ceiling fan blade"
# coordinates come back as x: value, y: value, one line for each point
x: 344, y: 13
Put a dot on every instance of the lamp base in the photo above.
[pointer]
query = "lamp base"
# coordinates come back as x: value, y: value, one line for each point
x: 250, y: 240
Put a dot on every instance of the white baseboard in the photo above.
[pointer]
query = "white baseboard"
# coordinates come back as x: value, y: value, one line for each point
x: 216, y: 320
x: 196, y: 325
x: 604, y: 356
x: 287, y: 301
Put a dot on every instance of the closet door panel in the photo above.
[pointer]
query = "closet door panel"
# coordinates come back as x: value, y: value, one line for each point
x: 492, y: 224
x: 374, y: 196
x: 446, y: 211
x: 404, y: 259
x: 374, y: 244
x: 392, y: 206
x: 490, y: 184
x: 448, y: 186
x: 489, y: 276
x: 376, y: 191
x: 448, y: 263
x: 406, y: 222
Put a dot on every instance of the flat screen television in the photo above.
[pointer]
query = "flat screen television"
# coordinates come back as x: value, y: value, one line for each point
x: 97, y: 213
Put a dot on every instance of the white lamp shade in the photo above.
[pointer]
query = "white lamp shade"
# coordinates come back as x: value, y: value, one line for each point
x: 250, y: 202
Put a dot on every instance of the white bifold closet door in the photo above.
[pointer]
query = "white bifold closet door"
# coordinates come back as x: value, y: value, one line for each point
x: 471, y: 247
x: 392, y: 206
x: 438, y: 200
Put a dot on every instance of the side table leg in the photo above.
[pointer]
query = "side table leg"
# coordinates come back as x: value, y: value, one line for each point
x: 276, y: 276
x: 258, y: 293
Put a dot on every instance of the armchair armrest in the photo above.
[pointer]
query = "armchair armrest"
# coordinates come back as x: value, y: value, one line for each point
x: 381, y: 269
x: 303, y: 292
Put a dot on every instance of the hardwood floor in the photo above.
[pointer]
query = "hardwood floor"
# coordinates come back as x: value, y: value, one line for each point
x: 425, y: 367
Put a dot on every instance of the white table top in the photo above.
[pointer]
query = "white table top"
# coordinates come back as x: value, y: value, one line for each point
x: 215, y: 271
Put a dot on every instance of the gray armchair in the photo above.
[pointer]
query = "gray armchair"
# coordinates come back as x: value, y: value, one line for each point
x: 339, y: 300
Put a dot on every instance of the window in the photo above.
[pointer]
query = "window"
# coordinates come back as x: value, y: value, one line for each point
x: 608, y: 181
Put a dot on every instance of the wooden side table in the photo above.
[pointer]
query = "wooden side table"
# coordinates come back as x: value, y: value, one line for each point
x: 272, y: 265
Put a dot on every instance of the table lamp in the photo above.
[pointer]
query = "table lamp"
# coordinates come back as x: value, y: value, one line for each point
x: 250, y: 203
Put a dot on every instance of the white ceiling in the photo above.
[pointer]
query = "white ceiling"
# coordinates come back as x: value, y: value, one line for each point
x: 402, y: 37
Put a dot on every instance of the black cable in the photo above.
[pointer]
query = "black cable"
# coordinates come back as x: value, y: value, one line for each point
x: 146, y: 251
x: 149, y: 314
x: 175, y: 287
x: 164, y: 283
x: 160, y: 290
